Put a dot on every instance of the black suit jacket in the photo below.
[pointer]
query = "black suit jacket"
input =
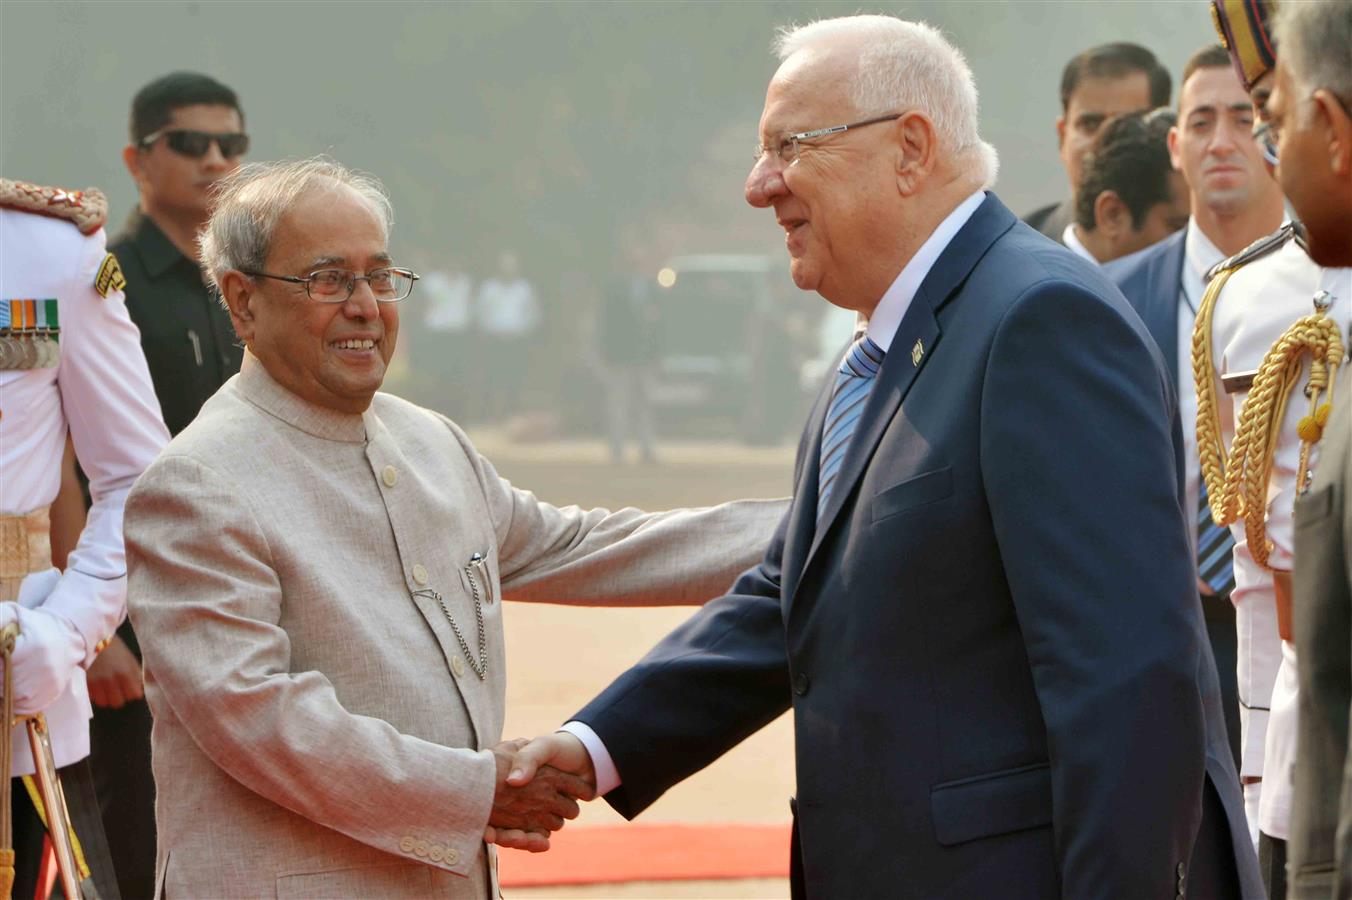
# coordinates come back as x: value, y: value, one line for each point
x: 1052, y: 219
x: 1153, y: 287
x: 991, y: 641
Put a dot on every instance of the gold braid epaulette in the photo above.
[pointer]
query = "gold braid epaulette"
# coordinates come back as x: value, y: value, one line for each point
x: 1237, y: 482
x: 88, y: 209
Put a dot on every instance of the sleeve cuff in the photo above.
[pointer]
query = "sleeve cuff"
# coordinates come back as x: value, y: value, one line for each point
x: 607, y: 776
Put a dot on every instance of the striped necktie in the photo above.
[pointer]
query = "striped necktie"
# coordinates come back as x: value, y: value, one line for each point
x: 1215, y: 563
x: 853, y: 382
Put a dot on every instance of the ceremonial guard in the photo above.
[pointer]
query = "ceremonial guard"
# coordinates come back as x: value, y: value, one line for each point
x: 1267, y: 347
x: 70, y: 358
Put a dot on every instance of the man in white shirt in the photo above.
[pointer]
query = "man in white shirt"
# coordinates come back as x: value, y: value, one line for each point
x: 1234, y: 202
x: 72, y: 361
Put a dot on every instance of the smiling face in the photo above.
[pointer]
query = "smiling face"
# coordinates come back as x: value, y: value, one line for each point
x: 1213, y: 144
x: 179, y: 185
x: 330, y: 354
x: 835, y: 199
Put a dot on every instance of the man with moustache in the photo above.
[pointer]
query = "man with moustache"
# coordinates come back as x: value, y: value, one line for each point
x: 187, y: 132
x: 1234, y: 203
x: 317, y: 575
x: 1268, y: 330
x: 1100, y: 83
x: 1308, y: 113
x: 981, y: 605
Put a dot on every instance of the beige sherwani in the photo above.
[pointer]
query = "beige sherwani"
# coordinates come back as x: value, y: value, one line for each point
x: 319, y: 729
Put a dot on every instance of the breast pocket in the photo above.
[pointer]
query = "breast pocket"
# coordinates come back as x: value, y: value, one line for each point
x: 1313, y: 509
x: 916, y: 491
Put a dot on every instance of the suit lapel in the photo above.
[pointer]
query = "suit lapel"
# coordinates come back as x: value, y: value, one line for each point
x: 803, y: 516
x: 1167, y: 289
x: 916, y: 341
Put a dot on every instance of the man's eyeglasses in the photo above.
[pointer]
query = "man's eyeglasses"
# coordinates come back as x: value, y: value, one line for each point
x: 195, y: 144
x: 337, y: 285
x: 787, y: 149
x: 1266, y: 137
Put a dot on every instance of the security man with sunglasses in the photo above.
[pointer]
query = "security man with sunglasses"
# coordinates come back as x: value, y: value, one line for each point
x: 187, y: 132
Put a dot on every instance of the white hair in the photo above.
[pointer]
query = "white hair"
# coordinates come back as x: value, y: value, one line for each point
x: 249, y: 202
x: 1314, y: 41
x: 904, y: 66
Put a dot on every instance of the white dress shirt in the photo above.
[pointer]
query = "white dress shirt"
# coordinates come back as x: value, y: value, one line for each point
x: 882, y: 328
x: 1072, y: 242
x: 101, y: 390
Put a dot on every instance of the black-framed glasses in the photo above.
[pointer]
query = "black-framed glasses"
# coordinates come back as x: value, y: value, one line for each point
x: 195, y: 144
x: 787, y: 149
x: 1266, y: 137
x: 389, y: 285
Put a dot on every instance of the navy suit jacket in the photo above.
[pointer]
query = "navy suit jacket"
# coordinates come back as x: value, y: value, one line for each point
x: 991, y: 641
x: 1153, y: 287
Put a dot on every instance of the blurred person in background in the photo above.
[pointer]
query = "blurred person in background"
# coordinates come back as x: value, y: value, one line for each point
x: 508, y: 315
x: 1129, y: 195
x: 624, y: 333
x: 70, y: 363
x: 442, y: 355
x: 1269, y: 315
x: 1100, y: 83
x: 1234, y: 202
x: 1311, y: 132
x: 186, y: 133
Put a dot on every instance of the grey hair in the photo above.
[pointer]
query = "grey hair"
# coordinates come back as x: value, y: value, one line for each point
x: 1314, y: 41
x: 249, y: 202
x: 906, y: 65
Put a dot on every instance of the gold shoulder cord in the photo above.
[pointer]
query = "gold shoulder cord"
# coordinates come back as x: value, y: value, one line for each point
x: 1237, y: 486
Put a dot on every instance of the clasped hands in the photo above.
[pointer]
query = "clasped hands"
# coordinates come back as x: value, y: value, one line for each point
x: 539, y: 783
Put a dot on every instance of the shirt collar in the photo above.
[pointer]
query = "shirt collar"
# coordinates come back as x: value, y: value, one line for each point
x: 157, y: 251
x: 1072, y: 241
x: 887, y: 316
x: 259, y: 388
x: 1199, y: 251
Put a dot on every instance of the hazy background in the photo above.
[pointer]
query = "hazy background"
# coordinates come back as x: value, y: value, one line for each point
x: 560, y: 131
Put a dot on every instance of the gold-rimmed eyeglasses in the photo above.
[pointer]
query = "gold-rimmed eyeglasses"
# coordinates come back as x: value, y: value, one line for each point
x: 787, y: 148
x: 389, y: 285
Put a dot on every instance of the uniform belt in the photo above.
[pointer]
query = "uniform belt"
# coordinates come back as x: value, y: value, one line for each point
x: 25, y: 547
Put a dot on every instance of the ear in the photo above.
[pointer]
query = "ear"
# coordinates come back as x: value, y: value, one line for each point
x: 238, y: 291
x: 1060, y: 131
x: 131, y: 158
x: 917, y: 152
x: 1334, y: 119
x: 1111, y: 216
x: 1172, y: 140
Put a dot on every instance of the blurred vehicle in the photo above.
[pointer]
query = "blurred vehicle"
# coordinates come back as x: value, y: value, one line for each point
x: 728, y: 348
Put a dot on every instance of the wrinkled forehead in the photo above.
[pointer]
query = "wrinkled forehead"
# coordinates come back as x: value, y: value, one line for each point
x: 810, y: 86
x: 331, y: 222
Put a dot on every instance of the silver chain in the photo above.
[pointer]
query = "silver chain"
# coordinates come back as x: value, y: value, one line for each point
x: 481, y: 666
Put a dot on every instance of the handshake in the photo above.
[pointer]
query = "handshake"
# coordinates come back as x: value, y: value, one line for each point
x: 538, y: 785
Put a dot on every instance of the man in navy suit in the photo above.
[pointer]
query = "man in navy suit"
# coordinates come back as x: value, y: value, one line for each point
x: 981, y: 604
x: 1235, y: 201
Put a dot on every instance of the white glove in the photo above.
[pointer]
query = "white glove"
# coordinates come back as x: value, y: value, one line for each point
x: 46, y: 655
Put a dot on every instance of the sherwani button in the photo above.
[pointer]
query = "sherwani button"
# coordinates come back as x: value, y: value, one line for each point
x: 452, y: 856
x: 420, y: 848
x: 406, y: 844
x: 420, y: 574
x: 389, y: 475
x: 457, y: 667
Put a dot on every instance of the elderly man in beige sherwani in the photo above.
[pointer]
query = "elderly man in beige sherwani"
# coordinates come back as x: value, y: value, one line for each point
x: 317, y: 575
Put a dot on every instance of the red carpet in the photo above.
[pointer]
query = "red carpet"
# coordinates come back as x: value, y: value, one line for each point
x: 609, y: 854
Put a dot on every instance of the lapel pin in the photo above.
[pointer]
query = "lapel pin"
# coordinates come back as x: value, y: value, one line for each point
x: 917, y: 353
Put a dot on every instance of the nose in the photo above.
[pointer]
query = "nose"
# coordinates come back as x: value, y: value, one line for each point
x: 214, y: 159
x: 765, y: 182
x: 363, y: 304
x: 1225, y: 138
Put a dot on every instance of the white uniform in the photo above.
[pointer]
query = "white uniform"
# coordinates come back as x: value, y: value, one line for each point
x: 101, y: 390
x: 1259, y: 302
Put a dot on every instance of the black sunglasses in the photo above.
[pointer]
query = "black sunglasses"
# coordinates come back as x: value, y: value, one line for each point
x: 195, y: 144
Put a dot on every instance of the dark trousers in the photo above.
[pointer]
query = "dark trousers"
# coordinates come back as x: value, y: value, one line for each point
x: 1272, y: 861
x: 119, y: 752
x: 77, y: 783
x: 1219, y: 614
